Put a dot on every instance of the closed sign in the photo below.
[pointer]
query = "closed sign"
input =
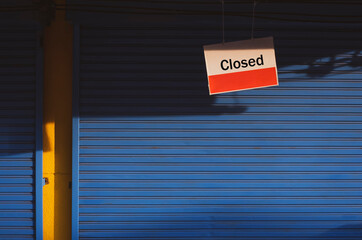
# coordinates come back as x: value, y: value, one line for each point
x: 241, y: 65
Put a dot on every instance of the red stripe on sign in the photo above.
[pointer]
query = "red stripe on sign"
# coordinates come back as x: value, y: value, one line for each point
x: 243, y: 80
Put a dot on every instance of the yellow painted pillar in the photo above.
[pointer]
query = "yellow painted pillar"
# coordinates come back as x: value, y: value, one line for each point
x: 57, y: 131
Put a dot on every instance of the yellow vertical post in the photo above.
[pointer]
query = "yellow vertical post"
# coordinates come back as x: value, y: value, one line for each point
x: 57, y: 131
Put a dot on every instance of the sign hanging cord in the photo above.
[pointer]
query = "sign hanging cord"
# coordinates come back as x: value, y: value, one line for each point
x: 223, y: 21
x: 253, y: 20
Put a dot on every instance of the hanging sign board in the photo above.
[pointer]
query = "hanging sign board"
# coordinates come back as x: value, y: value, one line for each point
x: 241, y: 65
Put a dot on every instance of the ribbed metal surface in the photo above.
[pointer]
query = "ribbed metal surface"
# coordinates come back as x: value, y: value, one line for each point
x: 17, y: 132
x: 160, y: 159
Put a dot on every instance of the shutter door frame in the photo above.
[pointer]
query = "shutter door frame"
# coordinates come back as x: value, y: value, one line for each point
x: 75, y: 133
x: 39, y: 139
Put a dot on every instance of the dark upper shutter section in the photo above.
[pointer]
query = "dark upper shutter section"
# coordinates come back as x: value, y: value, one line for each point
x: 161, y: 159
x: 113, y: 12
x: 20, y: 11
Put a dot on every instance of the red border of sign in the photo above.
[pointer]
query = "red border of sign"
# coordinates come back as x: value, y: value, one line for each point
x: 246, y: 80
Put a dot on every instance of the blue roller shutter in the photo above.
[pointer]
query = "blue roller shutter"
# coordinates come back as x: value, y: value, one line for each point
x: 156, y: 157
x: 20, y: 133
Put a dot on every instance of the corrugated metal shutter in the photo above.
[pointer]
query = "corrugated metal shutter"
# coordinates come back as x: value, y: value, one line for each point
x: 20, y: 133
x: 160, y: 159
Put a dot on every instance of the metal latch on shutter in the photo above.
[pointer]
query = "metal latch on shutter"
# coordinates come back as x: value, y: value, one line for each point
x: 45, y: 181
